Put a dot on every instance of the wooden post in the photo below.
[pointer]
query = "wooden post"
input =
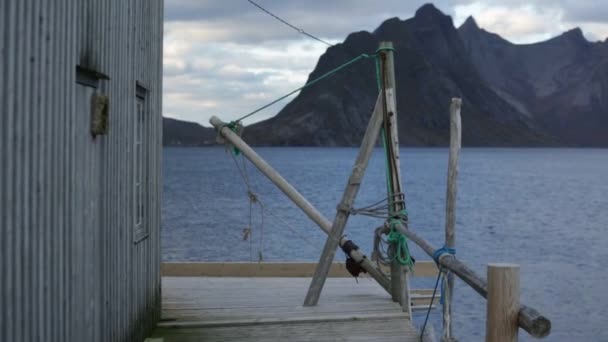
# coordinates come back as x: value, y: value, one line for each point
x: 295, y: 196
x: 450, y: 213
x: 503, y: 303
x: 399, y: 275
x: 343, y: 211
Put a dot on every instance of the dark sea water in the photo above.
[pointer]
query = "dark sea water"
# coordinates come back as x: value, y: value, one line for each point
x: 545, y: 209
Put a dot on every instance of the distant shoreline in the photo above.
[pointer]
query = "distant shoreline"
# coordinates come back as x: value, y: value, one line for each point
x: 402, y: 146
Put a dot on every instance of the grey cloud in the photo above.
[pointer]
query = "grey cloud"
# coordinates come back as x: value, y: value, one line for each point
x: 231, y: 79
x: 594, y: 11
x: 243, y: 22
x: 573, y: 10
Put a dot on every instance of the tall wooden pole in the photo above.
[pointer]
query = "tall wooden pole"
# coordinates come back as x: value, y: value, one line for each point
x: 296, y: 197
x: 450, y: 213
x: 503, y: 303
x: 343, y: 211
x: 399, y: 276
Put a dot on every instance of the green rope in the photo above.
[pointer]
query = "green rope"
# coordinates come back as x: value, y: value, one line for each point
x: 396, y: 238
x: 233, y: 127
x: 378, y: 76
x: 325, y: 75
x: 389, y: 185
x: 233, y: 124
x: 401, y: 249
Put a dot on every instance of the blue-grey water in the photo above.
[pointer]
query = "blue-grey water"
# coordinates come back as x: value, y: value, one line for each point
x: 545, y: 209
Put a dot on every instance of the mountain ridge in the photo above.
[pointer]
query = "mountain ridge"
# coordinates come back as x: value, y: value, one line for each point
x: 431, y: 67
x: 513, y: 94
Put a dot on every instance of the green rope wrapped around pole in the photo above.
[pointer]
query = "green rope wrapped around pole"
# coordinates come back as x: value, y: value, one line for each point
x: 236, y: 128
x: 401, y: 249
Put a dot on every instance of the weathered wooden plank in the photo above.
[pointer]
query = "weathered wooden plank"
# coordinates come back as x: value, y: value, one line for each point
x: 283, y: 312
x: 266, y: 291
x: 271, y: 269
x: 282, y: 319
x: 230, y: 309
x: 375, y: 330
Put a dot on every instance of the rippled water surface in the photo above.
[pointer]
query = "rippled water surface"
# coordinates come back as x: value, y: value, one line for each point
x: 545, y: 209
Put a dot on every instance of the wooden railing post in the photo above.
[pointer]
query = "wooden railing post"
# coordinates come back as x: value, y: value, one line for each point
x: 503, y: 303
x: 450, y: 213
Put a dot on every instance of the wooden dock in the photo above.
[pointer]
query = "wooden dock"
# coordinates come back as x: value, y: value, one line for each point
x: 205, y: 308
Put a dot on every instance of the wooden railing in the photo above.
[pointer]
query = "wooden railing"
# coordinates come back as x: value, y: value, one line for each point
x: 271, y: 269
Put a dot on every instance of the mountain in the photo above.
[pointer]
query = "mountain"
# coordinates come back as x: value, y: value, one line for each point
x: 561, y: 83
x: 550, y: 93
x: 183, y: 133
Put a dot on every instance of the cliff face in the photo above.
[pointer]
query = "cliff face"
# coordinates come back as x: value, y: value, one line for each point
x: 560, y: 83
x: 432, y: 65
x: 549, y: 93
x: 183, y: 133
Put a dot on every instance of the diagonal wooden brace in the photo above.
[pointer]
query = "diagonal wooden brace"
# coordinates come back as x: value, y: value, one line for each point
x: 352, y: 187
x: 313, y: 213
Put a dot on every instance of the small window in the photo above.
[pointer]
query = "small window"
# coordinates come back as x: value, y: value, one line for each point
x: 140, y: 160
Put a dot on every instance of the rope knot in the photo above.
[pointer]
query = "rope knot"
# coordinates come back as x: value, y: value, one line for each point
x: 441, y: 251
x: 386, y: 48
x: 237, y: 128
x: 401, y: 251
x: 402, y: 215
x: 253, y: 198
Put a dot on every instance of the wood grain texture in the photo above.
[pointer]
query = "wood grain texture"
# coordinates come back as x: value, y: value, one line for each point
x: 399, y: 275
x: 503, y: 303
x: 272, y: 269
x: 450, y: 212
x: 343, y: 211
x: 293, y: 194
x: 269, y: 309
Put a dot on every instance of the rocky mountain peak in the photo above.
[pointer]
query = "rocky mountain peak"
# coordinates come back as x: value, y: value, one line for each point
x: 428, y: 11
x: 575, y: 35
x: 510, y: 93
x: 429, y: 16
x: 470, y: 24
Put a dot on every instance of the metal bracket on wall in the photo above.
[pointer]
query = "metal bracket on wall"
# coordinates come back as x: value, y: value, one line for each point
x: 99, y: 115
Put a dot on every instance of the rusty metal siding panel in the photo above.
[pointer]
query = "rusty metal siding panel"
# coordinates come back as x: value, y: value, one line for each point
x: 70, y: 269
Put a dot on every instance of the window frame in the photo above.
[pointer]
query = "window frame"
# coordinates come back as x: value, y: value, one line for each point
x: 140, y: 165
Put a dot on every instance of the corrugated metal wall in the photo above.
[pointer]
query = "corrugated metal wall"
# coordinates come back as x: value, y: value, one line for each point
x: 69, y: 267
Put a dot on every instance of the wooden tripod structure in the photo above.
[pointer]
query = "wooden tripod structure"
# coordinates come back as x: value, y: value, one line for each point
x: 384, y: 117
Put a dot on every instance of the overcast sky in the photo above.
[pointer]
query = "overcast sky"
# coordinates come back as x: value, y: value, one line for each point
x: 227, y: 57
